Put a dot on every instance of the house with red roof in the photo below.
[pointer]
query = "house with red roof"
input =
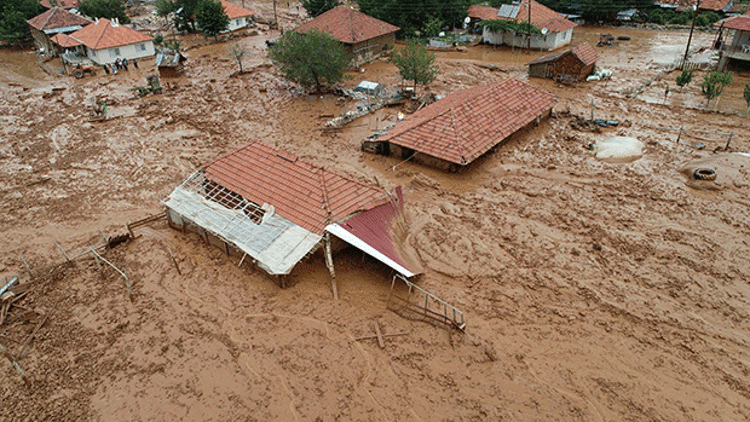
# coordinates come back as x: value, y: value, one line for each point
x: 239, y: 17
x: 734, y: 54
x: 272, y: 208
x: 364, y: 37
x: 556, y: 30
x: 105, y: 41
x: 65, y: 4
x: 54, y: 21
x: 573, y: 65
x: 458, y: 129
x: 717, y: 6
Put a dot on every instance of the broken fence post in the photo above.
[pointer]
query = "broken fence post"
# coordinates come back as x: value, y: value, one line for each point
x: 679, y: 135
x: 127, y: 283
x: 25, y: 264
x: 729, y: 140
x: 63, y: 251
x: 98, y: 264
x: 18, y: 369
x: 174, y: 261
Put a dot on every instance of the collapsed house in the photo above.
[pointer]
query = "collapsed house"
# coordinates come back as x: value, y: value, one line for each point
x: 52, y: 22
x: 573, y: 65
x: 267, y: 205
x: 461, y: 127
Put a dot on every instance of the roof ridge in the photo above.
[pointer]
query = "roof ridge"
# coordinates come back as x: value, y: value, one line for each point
x: 49, y: 16
x: 326, y: 200
x: 455, y: 136
x: 96, y: 44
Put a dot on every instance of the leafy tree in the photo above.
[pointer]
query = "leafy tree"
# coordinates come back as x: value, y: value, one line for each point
x: 13, y: 17
x: 496, y: 25
x: 684, y: 78
x: 211, y: 18
x: 312, y: 58
x: 318, y: 7
x: 706, y: 19
x: 432, y: 27
x: 109, y: 9
x: 683, y: 18
x: 238, y: 52
x: 412, y: 15
x: 415, y: 63
x: 183, y: 13
x: 714, y: 83
x: 498, y: 3
x: 747, y: 96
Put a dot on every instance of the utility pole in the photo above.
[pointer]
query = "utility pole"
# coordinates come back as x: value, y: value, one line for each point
x: 690, y: 38
x: 276, y: 19
x: 529, y: 28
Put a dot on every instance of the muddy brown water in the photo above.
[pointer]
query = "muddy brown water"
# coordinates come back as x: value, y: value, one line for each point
x: 593, y: 291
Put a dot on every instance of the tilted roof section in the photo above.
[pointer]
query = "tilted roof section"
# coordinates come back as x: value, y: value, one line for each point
x: 348, y: 26
x: 106, y: 34
x: 57, y: 18
x: 466, y: 124
x: 585, y: 53
x: 305, y: 194
x: 64, y: 40
x: 741, y: 23
x: 541, y: 16
x: 233, y: 11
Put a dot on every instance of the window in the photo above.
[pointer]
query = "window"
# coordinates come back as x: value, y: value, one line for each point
x: 141, y: 47
x: 114, y: 52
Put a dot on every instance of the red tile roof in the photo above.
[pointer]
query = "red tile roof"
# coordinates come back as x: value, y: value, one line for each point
x: 741, y: 23
x: 348, y: 26
x: 65, y: 41
x: 105, y: 34
x: 466, y: 124
x: 303, y: 193
x: 65, y: 4
x: 233, y: 11
x: 57, y: 18
x: 541, y: 16
x: 714, y: 5
x: 585, y: 53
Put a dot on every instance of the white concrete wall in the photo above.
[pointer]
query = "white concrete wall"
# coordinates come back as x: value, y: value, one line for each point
x: 130, y: 52
x: 549, y: 42
x: 237, y: 23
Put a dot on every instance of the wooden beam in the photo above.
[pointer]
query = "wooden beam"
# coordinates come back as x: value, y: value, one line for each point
x: 381, y: 342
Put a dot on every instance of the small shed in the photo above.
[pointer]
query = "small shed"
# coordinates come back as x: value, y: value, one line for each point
x: 170, y: 63
x: 570, y: 66
x: 370, y: 88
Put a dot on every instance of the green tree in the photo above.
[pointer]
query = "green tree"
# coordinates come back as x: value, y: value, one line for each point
x: 415, y: 63
x: 684, y: 78
x: 13, y: 17
x: 432, y: 27
x: 312, y: 59
x: 706, y: 19
x: 238, y: 52
x: 211, y: 18
x: 412, y: 15
x: 109, y: 9
x: 318, y: 7
x: 714, y: 83
x: 182, y: 11
x: 747, y: 96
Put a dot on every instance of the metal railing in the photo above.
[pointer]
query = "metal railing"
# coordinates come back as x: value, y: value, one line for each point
x: 431, y: 309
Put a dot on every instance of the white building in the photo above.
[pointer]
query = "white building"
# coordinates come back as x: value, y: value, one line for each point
x: 105, y: 41
x: 239, y: 17
x: 557, y: 31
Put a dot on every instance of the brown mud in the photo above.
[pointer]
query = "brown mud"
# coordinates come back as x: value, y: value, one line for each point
x: 592, y: 291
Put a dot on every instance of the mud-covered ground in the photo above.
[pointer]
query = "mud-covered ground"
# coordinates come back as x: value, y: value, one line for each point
x: 592, y: 291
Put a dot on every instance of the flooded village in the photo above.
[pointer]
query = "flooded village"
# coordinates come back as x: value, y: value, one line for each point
x: 549, y: 233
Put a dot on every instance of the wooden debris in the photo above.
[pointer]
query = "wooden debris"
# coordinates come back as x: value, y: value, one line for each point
x: 490, y: 67
x: 384, y: 336
x: 177, y: 267
x: 26, y: 344
x: 381, y: 342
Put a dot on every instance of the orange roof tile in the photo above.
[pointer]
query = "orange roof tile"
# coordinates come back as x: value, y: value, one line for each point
x: 348, y: 26
x: 56, y: 18
x: 105, y: 34
x: 741, y: 23
x: 65, y: 4
x: 64, y: 40
x: 585, y: 53
x: 466, y: 124
x: 541, y: 16
x: 303, y: 193
x: 233, y: 11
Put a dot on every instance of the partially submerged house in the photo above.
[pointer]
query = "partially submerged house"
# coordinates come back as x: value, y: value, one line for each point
x: 556, y: 30
x: 573, y: 65
x: 274, y: 209
x: 105, y: 41
x: 461, y: 127
x: 54, y: 21
x: 735, y: 53
x: 239, y: 17
x: 364, y: 37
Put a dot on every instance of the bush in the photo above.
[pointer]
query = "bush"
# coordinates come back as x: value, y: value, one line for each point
x: 683, y: 18
x: 706, y: 19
